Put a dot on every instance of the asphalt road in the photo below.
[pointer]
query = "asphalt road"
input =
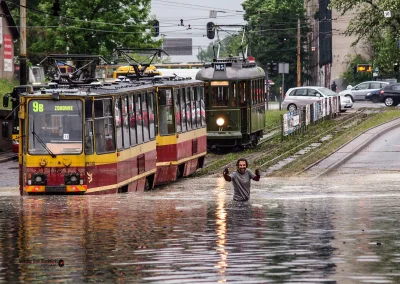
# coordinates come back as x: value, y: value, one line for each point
x: 381, y: 156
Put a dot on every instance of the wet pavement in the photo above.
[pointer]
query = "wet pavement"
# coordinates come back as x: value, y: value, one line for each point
x: 299, y: 230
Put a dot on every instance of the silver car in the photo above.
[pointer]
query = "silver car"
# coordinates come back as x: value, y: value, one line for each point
x: 300, y: 96
x: 359, y: 92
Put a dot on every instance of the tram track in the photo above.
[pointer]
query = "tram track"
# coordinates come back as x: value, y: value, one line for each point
x: 269, y: 151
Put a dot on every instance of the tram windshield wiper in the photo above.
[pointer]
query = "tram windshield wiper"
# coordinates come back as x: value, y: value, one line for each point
x: 43, y: 144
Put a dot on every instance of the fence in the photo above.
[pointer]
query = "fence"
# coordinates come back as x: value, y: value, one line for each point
x: 298, y: 120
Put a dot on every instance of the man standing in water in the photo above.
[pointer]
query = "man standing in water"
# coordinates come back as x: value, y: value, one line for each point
x: 241, y: 179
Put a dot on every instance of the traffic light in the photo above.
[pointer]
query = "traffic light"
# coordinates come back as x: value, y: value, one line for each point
x: 272, y: 67
x: 364, y: 68
x: 156, y: 27
x: 210, y: 30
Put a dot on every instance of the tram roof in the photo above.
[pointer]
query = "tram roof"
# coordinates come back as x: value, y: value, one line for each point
x: 112, y: 88
x: 233, y: 70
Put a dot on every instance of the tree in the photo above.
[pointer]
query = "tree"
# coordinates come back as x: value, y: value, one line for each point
x: 273, y: 34
x: 230, y: 46
x: 351, y: 78
x: 94, y: 27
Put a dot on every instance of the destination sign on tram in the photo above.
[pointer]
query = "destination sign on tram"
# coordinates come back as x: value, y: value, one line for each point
x: 219, y: 67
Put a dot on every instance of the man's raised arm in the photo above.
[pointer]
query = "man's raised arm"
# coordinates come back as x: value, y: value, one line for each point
x: 226, y: 175
x: 258, y: 175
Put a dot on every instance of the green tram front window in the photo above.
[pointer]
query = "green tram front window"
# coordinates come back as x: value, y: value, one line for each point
x: 220, y: 93
x: 56, y: 125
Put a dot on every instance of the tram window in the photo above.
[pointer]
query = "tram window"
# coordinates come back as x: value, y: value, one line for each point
x: 242, y: 93
x: 166, y: 111
x: 139, y: 119
x: 220, y: 96
x: 152, y: 125
x: 132, y: 120
x: 118, y: 123
x: 177, y: 110
x: 89, y: 141
x: 252, y: 92
x: 104, y: 126
x: 264, y: 90
x: 145, y: 111
x: 102, y: 108
x: 233, y: 95
x: 198, y: 98
x: 125, y: 122
x: 183, y: 111
x: 188, y: 109
x: 202, y: 107
x: 193, y: 106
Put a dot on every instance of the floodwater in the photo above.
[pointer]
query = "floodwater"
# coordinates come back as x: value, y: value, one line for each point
x: 296, y: 230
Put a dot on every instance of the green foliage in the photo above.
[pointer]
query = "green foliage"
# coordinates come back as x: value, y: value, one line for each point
x: 273, y: 118
x: 6, y: 86
x: 387, y: 52
x: 87, y: 27
x: 273, y: 35
x: 230, y: 46
x: 348, y: 76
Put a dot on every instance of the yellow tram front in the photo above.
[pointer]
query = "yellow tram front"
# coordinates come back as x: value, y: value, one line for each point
x: 52, y: 158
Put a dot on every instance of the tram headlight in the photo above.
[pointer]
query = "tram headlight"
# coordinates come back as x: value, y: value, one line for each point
x: 38, y: 179
x: 220, y: 121
x: 72, y: 179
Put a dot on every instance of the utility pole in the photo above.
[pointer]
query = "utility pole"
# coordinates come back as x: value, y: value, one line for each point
x: 298, y: 55
x: 22, y: 57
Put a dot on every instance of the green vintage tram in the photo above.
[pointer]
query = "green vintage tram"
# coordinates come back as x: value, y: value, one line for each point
x: 235, y: 102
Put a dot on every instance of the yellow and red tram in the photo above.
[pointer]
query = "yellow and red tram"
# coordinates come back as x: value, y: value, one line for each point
x: 182, y: 139
x: 111, y: 138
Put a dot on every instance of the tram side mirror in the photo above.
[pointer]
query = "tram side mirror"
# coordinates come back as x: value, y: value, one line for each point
x: 4, y: 129
x: 6, y: 99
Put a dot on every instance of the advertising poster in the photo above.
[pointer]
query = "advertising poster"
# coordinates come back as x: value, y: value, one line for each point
x: 8, y: 53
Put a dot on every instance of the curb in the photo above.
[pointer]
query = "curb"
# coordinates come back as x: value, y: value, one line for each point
x: 360, y: 147
x: 8, y: 156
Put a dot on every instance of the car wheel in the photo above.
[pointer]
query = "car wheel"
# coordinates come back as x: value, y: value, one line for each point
x: 389, y: 101
x: 292, y: 107
x: 350, y: 97
x: 375, y: 99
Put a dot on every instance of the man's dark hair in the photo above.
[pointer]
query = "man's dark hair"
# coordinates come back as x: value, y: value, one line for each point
x: 242, y: 159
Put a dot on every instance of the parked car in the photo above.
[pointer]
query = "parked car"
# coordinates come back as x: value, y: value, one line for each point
x: 359, y: 92
x: 390, y: 95
x: 301, y: 96
x: 374, y: 96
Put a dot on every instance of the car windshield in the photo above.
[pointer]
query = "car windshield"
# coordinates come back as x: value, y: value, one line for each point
x: 327, y: 92
x: 55, y: 126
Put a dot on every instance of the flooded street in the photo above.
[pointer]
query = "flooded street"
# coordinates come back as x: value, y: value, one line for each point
x: 334, y: 230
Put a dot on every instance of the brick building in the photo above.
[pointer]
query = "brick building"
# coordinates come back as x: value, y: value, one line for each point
x: 8, y: 34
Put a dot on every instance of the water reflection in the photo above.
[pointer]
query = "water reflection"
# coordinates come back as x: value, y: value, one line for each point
x: 222, y: 264
x: 194, y: 232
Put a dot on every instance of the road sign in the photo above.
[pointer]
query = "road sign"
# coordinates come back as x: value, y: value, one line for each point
x: 283, y: 68
x: 387, y: 14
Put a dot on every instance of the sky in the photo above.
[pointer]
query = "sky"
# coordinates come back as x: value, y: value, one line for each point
x: 196, y: 14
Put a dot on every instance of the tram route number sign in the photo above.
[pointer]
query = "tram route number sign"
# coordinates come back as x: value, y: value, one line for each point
x: 219, y: 67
